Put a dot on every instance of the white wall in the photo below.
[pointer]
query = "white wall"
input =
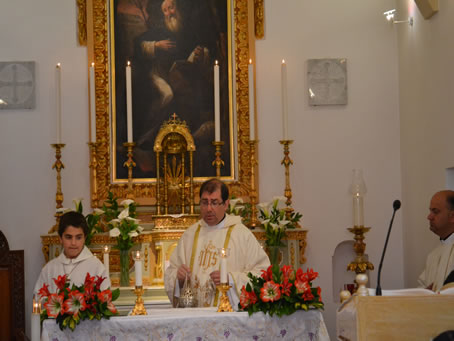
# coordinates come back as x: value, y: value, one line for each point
x: 426, y: 54
x: 329, y: 140
x: 44, y: 32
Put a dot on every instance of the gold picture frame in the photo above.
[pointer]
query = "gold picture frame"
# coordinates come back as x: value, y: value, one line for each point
x: 98, y: 52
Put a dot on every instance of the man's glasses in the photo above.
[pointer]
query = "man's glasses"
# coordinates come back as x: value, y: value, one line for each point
x: 213, y: 203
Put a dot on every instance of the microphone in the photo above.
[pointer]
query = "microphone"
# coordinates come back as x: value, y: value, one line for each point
x: 396, y: 206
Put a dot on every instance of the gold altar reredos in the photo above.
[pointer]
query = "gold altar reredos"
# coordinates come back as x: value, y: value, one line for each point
x: 97, y: 45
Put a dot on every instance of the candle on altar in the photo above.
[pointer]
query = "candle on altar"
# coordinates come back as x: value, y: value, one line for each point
x: 138, y: 268
x: 251, y: 101
x: 92, y: 104
x: 217, y: 111
x: 223, y: 255
x: 358, y: 190
x: 58, y: 100
x: 284, y: 99
x: 35, y: 322
x: 358, y: 210
x: 129, y: 102
x: 106, y: 251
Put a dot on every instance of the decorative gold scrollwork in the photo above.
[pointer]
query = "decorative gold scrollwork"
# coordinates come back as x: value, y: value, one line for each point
x: 82, y: 21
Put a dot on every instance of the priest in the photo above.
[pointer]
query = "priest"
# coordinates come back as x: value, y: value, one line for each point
x: 76, y: 260
x: 196, y: 256
x: 440, y: 262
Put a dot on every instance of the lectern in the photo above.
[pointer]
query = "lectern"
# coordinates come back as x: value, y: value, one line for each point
x: 378, y: 318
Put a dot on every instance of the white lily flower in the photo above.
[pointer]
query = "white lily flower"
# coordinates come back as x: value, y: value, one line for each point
x: 77, y: 202
x: 132, y: 219
x: 140, y: 229
x: 265, y: 207
x: 133, y: 234
x: 274, y: 226
x: 234, y: 202
x: 283, y: 223
x: 127, y: 202
x: 62, y: 210
x: 98, y: 211
x: 115, y: 232
x: 124, y: 214
x: 239, y: 208
x: 279, y: 202
x: 114, y: 222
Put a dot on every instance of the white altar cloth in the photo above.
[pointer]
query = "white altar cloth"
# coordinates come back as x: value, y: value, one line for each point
x: 194, y: 324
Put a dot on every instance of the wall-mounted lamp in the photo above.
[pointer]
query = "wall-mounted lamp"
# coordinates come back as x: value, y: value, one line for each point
x: 390, y: 17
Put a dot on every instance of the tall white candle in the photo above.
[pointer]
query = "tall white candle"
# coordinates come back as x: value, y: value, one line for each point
x: 217, y: 111
x: 251, y: 101
x: 129, y: 102
x: 58, y: 100
x: 92, y: 104
x: 35, y: 322
x: 106, y: 259
x: 138, y: 269
x: 358, y: 210
x: 223, y: 266
x: 284, y: 99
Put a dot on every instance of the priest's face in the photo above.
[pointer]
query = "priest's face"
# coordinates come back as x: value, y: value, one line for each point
x: 441, y: 217
x: 73, y: 240
x: 212, y: 208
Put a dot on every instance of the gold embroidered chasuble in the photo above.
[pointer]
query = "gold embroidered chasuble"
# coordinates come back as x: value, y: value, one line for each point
x: 198, y: 249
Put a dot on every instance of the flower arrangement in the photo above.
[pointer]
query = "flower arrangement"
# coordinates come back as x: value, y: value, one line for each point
x: 275, y: 220
x: 121, y: 221
x: 281, y: 291
x: 69, y: 306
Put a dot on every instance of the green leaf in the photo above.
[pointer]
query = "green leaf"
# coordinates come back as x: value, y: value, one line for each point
x: 115, y: 294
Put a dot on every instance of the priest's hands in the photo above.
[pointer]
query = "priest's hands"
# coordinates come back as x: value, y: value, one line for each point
x: 216, y: 277
x: 182, y: 272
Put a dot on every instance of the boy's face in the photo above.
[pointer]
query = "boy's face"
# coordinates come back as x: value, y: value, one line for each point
x: 73, y: 240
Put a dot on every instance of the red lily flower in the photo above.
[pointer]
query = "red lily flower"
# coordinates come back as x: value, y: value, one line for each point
x: 286, y: 287
x: 270, y: 292
x: 267, y: 274
x: 286, y: 271
x: 302, y: 286
x: 60, y: 282
x: 54, y: 305
x: 311, y: 275
x: 44, y: 291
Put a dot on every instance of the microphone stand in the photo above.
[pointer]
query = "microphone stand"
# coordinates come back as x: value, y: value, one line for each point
x: 396, y: 206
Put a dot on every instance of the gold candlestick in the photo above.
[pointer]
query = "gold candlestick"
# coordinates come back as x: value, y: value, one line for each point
x: 360, y: 264
x: 218, y: 162
x: 286, y: 161
x: 254, y: 222
x: 93, y: 165
x: 58, y: 166
x: 224, y: 304
x: 139, y: 308
x: 130, y: 164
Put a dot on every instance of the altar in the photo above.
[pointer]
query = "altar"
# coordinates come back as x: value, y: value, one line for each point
x: 157, y: 245
x: 195, y: 324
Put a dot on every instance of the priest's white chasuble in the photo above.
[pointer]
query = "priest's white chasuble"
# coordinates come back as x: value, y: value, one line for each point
x: 439, y: 265
x: 198, y: 249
